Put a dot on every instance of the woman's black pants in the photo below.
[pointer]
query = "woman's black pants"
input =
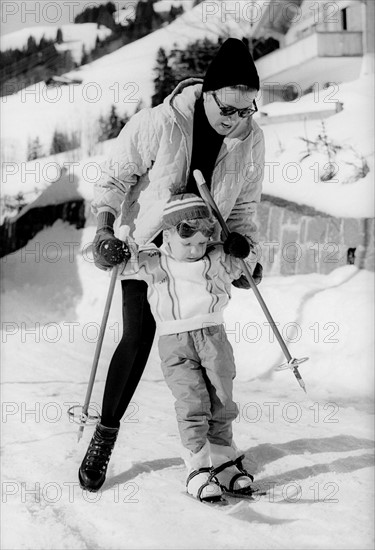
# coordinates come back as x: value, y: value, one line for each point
x: 130, y: 357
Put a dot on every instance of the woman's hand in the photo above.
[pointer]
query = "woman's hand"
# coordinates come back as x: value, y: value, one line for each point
x: 237, y: 245
x: 242, y: 282
x: 108, y: 250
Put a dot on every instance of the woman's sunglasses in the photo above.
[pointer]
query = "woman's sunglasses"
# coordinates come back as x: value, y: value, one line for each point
x: 229, y: 111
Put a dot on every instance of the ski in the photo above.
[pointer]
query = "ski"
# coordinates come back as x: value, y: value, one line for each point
x: 219, y: 503
x: 266, y: 492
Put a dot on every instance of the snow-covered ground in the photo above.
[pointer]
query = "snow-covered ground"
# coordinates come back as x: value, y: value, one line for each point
x: 320, y: 444
x: 293, y: 174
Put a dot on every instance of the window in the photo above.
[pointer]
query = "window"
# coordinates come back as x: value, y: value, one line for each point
x: 344, y: 19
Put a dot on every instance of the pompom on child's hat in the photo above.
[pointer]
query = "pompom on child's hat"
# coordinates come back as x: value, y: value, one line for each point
x: 184, y: 207
x: 232, y: 65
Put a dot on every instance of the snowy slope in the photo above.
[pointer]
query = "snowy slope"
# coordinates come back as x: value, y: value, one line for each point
x: 166, y: 5
x: 74, y: 37
x: 320, y: 445
x: 123, y: 78
x: 128, y: 10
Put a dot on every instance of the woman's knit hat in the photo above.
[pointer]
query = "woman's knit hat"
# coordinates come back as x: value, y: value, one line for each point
x: 232, y: 65
x: 184, y: 207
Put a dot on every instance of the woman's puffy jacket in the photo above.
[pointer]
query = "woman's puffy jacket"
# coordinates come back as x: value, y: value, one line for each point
x: 151, y: 160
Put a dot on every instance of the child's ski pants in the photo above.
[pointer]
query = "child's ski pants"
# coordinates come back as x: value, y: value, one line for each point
x: 199, y: 368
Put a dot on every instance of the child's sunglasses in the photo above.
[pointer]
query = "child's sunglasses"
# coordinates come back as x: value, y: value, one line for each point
x: 186, y: 231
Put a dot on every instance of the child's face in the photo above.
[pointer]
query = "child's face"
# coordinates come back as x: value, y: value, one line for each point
x: 190, y: 249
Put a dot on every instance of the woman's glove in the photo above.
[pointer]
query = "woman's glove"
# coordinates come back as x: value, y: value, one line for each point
x: 242, y: 282
x: 108, y: 251
x: 237, y: 245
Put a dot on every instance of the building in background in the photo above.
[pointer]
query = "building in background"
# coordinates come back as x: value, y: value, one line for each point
x: 319, y: 43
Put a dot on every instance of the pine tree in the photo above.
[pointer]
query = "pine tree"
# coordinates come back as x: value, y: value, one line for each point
x: 114, y: 123
x: 175, y: 12
x: 164, y: 81
x: 105, y: 18
x: 59, y: 143
x: 44, y: 44
x: 103, y: 128
x: 69, y: 63
x: 59, y: 36
x: 31, y: 47
x: 85, y: 56
x: 34, y: 149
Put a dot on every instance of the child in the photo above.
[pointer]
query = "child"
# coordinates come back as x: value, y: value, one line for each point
x: 188, y: 288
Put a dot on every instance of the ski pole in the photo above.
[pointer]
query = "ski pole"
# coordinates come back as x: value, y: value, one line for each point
x: 292, y: 363
x: 84, y: 415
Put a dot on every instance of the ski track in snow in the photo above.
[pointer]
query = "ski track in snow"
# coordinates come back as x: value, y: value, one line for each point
x: 310, y: 294
x: 318, y: 461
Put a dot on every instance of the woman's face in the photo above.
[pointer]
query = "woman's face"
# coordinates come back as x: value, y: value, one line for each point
x: 224, y: 98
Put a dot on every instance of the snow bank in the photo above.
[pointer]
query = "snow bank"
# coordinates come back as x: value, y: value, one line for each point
x: 295, y: 169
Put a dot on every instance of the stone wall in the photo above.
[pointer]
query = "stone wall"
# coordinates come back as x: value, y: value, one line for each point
x: 296, y: 239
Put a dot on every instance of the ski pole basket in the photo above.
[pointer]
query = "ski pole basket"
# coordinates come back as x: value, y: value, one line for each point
x: 292, y: 364
x: 75, y: 412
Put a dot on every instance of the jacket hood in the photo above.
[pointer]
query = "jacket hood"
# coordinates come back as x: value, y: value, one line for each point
x: 180, y: 104
x: 184, y: 96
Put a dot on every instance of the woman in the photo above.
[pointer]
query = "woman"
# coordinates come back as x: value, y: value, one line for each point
x: 205, y: 125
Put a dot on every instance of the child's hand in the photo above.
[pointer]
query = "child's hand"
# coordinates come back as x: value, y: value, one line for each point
x: 237, y: 245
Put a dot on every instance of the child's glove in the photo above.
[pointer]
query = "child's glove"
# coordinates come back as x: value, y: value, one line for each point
x: 237, y: 245
x: 108, y: 251
x: 242, y: 282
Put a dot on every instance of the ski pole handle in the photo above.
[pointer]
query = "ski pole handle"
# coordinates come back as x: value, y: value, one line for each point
x: 208, y: 199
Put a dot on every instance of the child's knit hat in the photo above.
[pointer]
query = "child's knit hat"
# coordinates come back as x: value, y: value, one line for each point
x: 184, y: 207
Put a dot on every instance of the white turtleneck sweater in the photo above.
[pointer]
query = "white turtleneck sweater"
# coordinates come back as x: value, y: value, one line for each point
x: 183, y: 296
